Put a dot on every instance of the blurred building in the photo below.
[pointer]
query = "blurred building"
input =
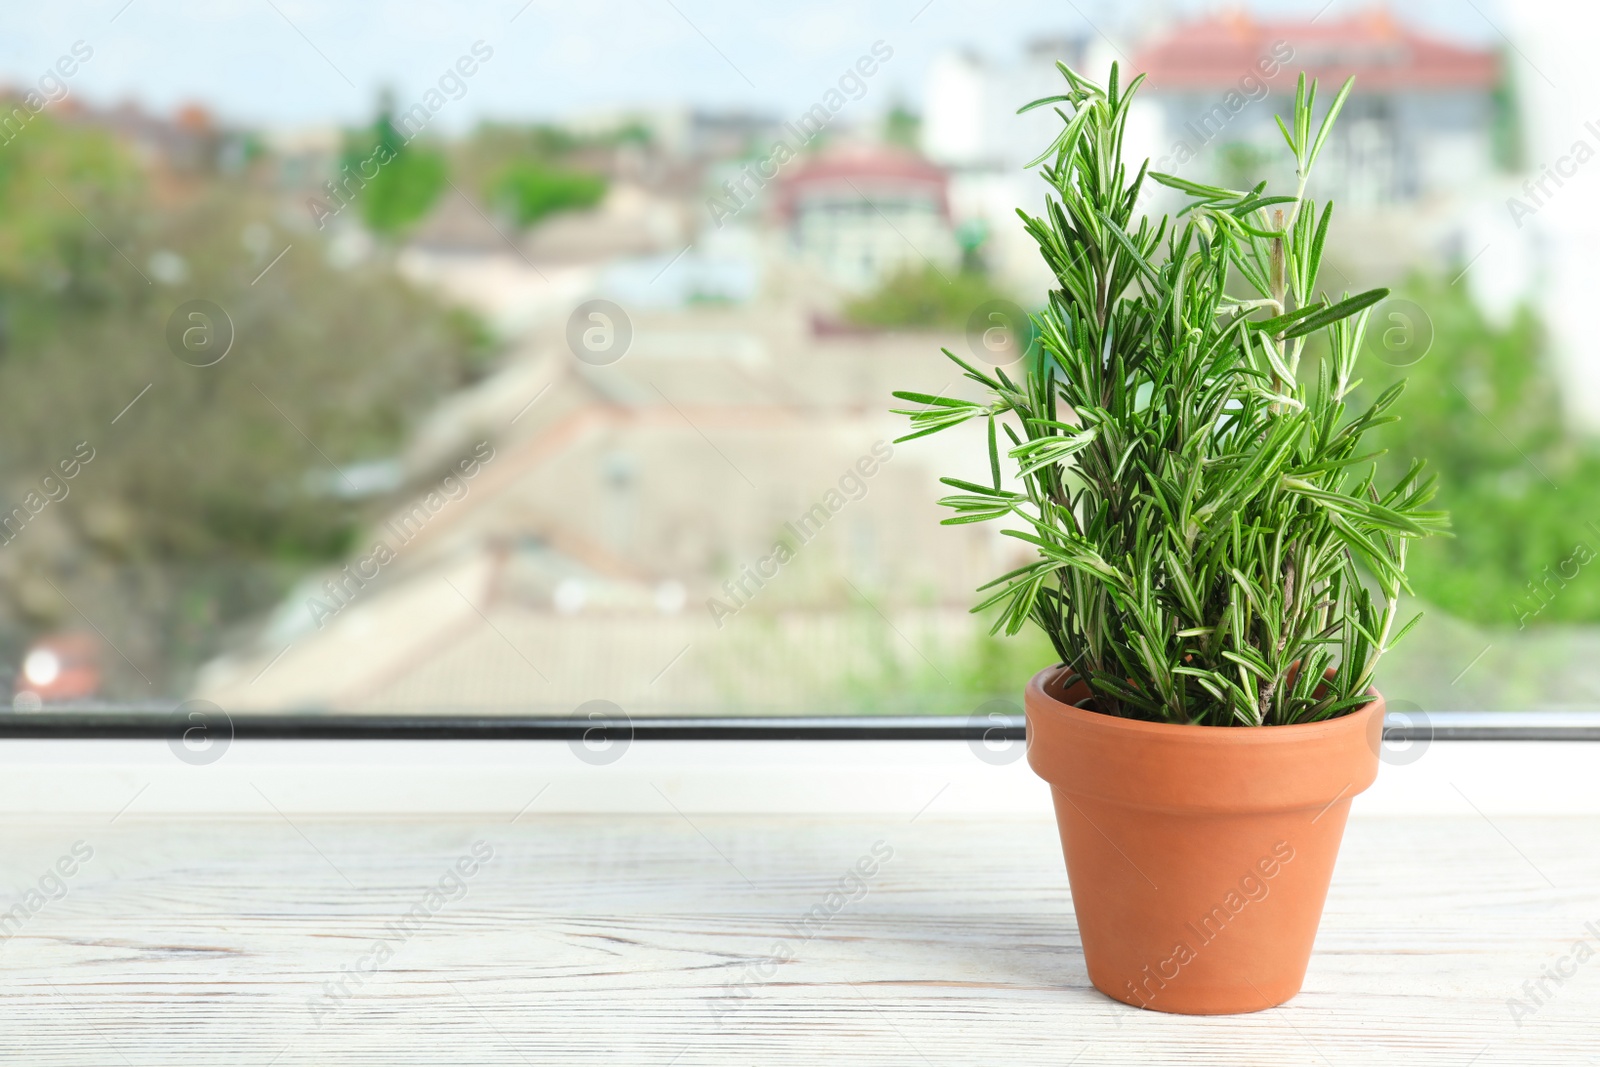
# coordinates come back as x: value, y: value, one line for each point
x: 1417, y: 126
x: 971, y: 128
x: 698, y: 134
x: 299, y: 160
x: 729, y: 134
x: 1418, y: 132
x: 189, y: 142
x: 629, y: 515
x: 970, y: 122
x: 862, y: 212
x: 1417, y: 160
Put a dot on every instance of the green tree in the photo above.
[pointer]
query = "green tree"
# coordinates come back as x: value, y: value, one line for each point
x: 924, y: 299
x: 1523, y: 488
x: 53, y: 260
x: 211, y: 489
x: 902, y: 126
x: 529, y: 191
x: 408, y: 178
x: 529, y: 172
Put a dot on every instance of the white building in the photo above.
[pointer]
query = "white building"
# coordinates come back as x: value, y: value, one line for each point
x: 970, y: 126
x: 861, y: 213
x: 1417, y: 128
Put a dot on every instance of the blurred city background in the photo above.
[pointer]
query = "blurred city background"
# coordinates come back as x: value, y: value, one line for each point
x: 375, y: 358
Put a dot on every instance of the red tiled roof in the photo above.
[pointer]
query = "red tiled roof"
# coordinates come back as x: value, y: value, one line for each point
x: 869, y: 168
x: 872, y: 162
x: 1381, y: 52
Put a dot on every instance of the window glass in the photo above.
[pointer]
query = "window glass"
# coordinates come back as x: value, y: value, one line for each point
x: 506, y: 358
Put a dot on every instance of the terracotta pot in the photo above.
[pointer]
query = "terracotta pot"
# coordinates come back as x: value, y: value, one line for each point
x: 1199, y: 856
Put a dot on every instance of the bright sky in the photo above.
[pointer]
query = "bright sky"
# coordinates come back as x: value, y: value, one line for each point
x: 295, y: 62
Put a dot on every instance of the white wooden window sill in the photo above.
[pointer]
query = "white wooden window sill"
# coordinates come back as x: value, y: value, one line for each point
x: 306, y: 903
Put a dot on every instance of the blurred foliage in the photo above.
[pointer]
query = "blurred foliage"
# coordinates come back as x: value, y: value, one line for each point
x: 1506, y: 135
x: 976, y: 674
x: 52, y: 263
x: 1483, y: 407
x: 409, y: 177
x: 531, y: 191
x: 499, y: 143
x: 931, y: 663
x: 902, y: 126
x: 207, y: 497
x: 1242, y: 164
x: 530, y: 172
x: 972, y: 236
x: 924, y: 299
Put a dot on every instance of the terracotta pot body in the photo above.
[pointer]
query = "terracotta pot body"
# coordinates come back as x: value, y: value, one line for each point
x: 1199, y: 856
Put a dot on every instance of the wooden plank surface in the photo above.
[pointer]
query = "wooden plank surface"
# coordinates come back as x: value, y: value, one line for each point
x: 682, y: 940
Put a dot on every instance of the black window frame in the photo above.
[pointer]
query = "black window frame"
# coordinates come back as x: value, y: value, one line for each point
x: 151, y: 724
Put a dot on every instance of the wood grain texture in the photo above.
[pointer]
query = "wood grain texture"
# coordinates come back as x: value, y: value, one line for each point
x: 614, y: 940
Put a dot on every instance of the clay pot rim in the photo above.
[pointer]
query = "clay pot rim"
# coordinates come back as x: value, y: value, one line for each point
x: 1044, y: 703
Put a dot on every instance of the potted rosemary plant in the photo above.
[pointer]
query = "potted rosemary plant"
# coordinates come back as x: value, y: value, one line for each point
x: 1216, y: 567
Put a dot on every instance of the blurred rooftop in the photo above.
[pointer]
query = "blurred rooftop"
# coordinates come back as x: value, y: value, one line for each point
x: 1380, y: 50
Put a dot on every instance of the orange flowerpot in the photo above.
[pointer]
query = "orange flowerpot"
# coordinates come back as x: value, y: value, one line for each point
x: 1199, y: 856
